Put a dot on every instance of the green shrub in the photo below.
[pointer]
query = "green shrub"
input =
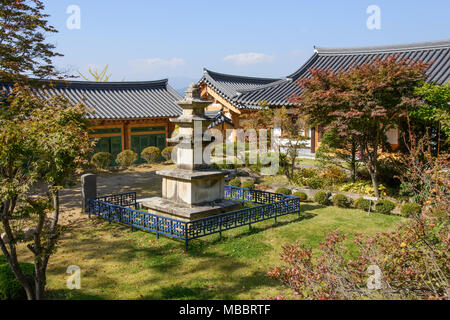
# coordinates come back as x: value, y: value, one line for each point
x: 167, y: 153
x: 225, y: 166
x: 10, y: 288
x: 127, y: 158
x: 363, y: 204
x: 411, y: 210
x: 235, y: 182
x: 285, y: 191
x: 150, y: 154
x: 309, y: 177
x: 248, y: 185
x: 333, y: 175
x: 214, y: 166
x: 322, y: 198
x: 102, y: 160
x: 385, y: 206
x: 303, y: 196
x: 340, y: 201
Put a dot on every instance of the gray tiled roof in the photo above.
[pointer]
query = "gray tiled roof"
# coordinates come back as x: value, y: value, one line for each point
x: 229, y: 86
x: 217, y: 118
x: 119, y: 100
x: 276, y: 93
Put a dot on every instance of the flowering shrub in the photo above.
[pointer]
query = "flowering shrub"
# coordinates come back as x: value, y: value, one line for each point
x: 413, y: 262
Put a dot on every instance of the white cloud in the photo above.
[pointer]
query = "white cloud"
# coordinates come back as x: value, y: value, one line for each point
x: 243, y: 59
x: 157, y: 65
x: 161, y: 63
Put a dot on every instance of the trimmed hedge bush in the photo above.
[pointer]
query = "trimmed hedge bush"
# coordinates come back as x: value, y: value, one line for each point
x: 248, y: 185
x: 127, y: 158
x: 151, y: 154
x: 385, y: 206
x: 411, y: 210
x: 102, y: 160
x: 363, y: 204
x: 167, y: 153
x: 322, y: 198
x: 301, y: 195
x: 283, y: 190
x: 235, y: 182
x: 340, y: 201
x: 10, y: 288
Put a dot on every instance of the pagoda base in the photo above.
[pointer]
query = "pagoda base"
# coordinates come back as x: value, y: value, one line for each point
x: 185, y: 212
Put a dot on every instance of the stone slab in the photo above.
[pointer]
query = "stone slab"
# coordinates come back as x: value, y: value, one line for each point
x: 189, y: 175
x: 170, y: 209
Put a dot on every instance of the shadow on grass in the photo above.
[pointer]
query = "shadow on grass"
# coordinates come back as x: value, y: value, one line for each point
x: 310, y: 207
x: 204, y: 289
x: 66, y: 294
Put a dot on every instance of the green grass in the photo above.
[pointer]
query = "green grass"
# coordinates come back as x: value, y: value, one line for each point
x: 307, y: 161
x: 119, y: 264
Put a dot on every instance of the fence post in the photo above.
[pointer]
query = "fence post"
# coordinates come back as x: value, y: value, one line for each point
x: 220, y: 228
x: 186, y: 236
x: 157, y: 227
x: 109, y: 214
x: 276, y: 211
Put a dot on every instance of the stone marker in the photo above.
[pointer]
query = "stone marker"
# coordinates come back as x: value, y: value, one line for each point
x: 88, y: 189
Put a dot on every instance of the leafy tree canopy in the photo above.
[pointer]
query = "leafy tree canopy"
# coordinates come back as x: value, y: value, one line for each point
x: 23, y: 50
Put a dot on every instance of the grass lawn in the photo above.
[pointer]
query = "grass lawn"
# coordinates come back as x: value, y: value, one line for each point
x: 118, y: 264
x: 307, y: 161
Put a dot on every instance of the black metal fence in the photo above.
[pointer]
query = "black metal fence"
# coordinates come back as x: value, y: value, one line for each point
x: 115, y: 208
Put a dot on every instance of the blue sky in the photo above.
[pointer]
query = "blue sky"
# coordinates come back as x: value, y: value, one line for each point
x: 150, y: 39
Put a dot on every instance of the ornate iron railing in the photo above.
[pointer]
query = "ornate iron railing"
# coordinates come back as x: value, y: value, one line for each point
x: 271, y: 206
x: 122, y: 200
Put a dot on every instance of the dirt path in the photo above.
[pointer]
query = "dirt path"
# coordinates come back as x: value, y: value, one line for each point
x: 142, y: 179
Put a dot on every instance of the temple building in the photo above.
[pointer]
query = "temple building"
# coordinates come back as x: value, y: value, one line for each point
x: 126, y: 115
x: 135, y: 115
x: 237, y: 95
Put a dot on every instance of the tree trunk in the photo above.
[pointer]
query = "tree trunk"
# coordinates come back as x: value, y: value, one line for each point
x: 353, y: 162
x: 373, y: 171
x: 375, y: 183
x: 11, y: 257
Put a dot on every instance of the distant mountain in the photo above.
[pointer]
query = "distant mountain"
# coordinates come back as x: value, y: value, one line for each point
x: 180, y: 84
x: 182, y: 91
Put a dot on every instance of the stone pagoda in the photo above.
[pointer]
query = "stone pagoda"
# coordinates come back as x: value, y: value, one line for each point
x: 192, y: 190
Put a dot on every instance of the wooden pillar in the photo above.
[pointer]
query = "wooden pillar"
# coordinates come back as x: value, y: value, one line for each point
x: 125, y: 145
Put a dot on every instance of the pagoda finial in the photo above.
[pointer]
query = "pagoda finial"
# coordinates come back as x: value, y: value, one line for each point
x: 193, y: 92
